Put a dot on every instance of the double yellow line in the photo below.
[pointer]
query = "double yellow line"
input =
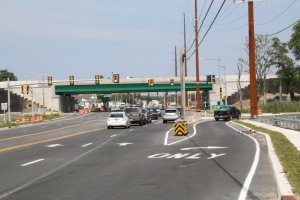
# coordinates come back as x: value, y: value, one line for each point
x: 47, y: 140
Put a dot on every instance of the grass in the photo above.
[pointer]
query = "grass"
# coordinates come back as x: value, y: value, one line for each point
x: 277, y: 107
x: 287, y: 153
x: 51, y: 116
x: 8, y: 124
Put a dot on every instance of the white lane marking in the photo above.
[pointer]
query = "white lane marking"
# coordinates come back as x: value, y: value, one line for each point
x: 32, y: 162
x: 167, y: 136
x: 114, y: 135
x: 131, y: 130
x: 185, y: 138
x: 213, y: 155
x: 123, y: 144
x: 145, y: 125
x: 54, y: 145
x: 244, y: 191
x: 88, y: 144
x: 209, y: 147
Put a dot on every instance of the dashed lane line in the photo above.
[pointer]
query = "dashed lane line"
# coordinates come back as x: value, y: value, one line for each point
x: 48, y: 140
x: 32, y: 162
x: 88, y: 144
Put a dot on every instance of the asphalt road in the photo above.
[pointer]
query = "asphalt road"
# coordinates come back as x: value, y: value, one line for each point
x: 78, y: 158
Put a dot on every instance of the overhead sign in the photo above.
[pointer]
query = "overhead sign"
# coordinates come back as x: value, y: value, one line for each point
x: 3, y: 106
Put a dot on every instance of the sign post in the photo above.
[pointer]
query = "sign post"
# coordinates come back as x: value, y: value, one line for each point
x: 4, y: 108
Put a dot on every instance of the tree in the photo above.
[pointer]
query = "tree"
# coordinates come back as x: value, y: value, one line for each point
x: 4, y: 74
x: 263, y: 55
x: 287, y: 70
x: 294, y: 43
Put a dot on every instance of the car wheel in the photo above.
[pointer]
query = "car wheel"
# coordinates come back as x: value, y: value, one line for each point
x: 141, y: 123
x: 164, y: 121
x: 217, y: 119
x: 108, y: 127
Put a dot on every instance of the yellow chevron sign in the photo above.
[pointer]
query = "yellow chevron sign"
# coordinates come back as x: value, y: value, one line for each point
x: 180, y: 128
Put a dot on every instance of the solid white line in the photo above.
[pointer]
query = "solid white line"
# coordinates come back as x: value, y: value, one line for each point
x: 131, y: 130
x: 244, y: 191
x: 185, y: 138
x: 114, y: 135
x: 39, y: 160
x: 167, y: 136
x: 88, y: 144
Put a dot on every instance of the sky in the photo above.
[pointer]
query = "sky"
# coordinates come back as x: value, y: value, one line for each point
x: 131, y: 37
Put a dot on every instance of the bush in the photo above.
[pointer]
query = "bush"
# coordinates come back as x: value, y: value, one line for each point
x: 277, y: 107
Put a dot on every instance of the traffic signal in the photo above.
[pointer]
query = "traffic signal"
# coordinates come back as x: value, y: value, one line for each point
x: 71, y: 78
x: 25, y: 89
x: 49, y: 80
x: 97, y: 79
x: 220, y: 90
x: 116, y: 78
x: 151, y: 82
x: 172, y: 81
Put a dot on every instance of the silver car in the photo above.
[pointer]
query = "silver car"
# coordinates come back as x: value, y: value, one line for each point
x: 171, y: 114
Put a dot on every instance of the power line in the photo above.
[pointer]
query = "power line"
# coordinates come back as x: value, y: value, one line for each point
x: 201, y: 24
x: 276, y: 17
x: 282, y: 29
x: 209, y: 28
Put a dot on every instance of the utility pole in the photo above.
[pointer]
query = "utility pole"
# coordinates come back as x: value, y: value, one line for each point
x: 8, y: 100
x: 253, y: 95
x: 176, y: 74
x: 198, y: 106
x: 43, y: 86
x: 185, y: 63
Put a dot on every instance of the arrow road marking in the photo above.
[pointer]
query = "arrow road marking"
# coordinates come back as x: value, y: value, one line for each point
x: 213, y: 155
x: 30, y: 163
x: 88, y: 144
x: 54, y: 145
x: 209, y: 147
x: 123, y: 144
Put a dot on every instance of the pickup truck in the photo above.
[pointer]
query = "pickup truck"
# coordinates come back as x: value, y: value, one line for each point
x: 227, y: 113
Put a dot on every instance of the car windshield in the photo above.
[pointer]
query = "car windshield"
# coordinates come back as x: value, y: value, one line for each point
x: 116, y: 115
x: 170, y: 111
x: 129, y: 110
x: 153, y: 109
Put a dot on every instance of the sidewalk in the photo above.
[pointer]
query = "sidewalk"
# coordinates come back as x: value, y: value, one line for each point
x: 291, y: 135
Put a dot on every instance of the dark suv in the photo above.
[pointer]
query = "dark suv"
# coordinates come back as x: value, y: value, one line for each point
x: 227, y: 113
x: 153, y: 113
x: 135, y: 115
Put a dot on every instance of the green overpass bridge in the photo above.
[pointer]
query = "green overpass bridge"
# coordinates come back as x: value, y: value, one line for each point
x: 126, y: 88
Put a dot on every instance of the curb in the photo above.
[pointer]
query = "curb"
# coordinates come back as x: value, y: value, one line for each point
x: 284, y: 189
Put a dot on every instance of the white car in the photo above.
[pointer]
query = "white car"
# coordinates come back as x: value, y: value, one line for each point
x: 118, y: 119
x: 171, y: 114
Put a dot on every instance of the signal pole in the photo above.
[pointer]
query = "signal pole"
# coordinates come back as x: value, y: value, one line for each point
x: 198, y: 107
x: 176, y: 74
x: 253, y: 95
x: 185, y: 63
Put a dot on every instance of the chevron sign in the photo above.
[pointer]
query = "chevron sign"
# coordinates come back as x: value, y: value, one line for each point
x: 180, y: 129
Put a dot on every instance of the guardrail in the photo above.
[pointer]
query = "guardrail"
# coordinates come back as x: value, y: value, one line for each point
x: 287, y: 122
